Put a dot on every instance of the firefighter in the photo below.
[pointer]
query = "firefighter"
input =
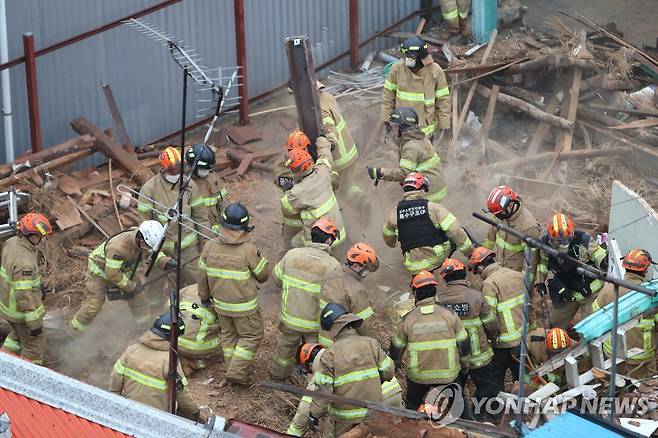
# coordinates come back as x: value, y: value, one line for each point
x: 508, y: 208
x: 110, y: 271
x: 200, y: 345
x: 21, y: 291
x: 478, y: 318
x: 229, y: 269
x: 426, y: 230
x: 568, y: 289
x: 456, y: 15
x: 437, y: 344
x: 300, y: 275
x: 416, y: 154
x: 503, y: 290
x: 312, y: 195
x: 354, y: 366
x: 141, y: 372
x: 344, y: 286
x: 208, y: 182
x: 636, y: 262
x: 308, y: 358
x: 159, y: 194
x: 418, y: 82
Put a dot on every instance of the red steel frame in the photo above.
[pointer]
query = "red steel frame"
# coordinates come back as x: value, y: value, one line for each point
x: 354, y: 33
x: 32, y: 91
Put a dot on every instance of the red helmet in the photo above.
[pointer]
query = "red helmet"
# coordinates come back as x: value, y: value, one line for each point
x: 637, y: 260
x: 423, y: 278
x: 557, y: 339
x: 479, y: 254
x: 560, y: 227
x: 500, y: 199
x: 363, y: 254
x: 299, y: 160
x: 34, y: 223
x: 451, y: 265
x: 416, y: 181
x: 297, y: 140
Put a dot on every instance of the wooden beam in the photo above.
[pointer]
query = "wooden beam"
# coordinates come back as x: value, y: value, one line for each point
x: 642, y: 135
x: 528, y: 109
x: 456, y: 129
x: 118, y: 120
x: 565, y: 138
x: 110, y: 149
x: 50, y: 165
x: 488, y: 119
x: 543, y: 128
x: 547, y: 156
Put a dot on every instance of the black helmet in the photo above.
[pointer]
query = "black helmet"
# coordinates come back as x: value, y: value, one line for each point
x: 236, y: 217
x: 414, y: 47
x: 162, y: 325
x: 330, y: 314
x: 204, y: 153
x: 405, y: 117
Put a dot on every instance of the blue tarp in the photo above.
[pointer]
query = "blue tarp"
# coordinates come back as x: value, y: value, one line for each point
x: 573, y: 425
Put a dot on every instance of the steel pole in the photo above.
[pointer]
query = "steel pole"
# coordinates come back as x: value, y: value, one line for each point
x: 524, y: 334
x: 6, y: 87
x: 613, y: 364
x: 241, y: 56
x: 32, y: 91
x: 354, y: 33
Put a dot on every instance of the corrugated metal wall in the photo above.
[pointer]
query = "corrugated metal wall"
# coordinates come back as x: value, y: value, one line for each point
x: 145, y: 82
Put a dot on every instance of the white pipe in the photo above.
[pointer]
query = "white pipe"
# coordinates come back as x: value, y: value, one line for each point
x: 6, y: 86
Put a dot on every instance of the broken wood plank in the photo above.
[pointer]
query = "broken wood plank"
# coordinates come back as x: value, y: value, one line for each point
x: 637, y: 124
x: 68, y: 185
x: 536, y: 188
x: 527, y: 108
x: 421, y: 25
x: 244, y: 164
x: 114, y: 198
x: 543, y: 128
x: 84, y: 142
x: 644, y: 136
x: 542, y: 158
x: 65, y: 160
x: 118, y: 120
x: 241, y: 158
x: 488, y: 119
x: 66, y: 217
x: 89, y: 218
x: 456, y: 129
x: 552, y: 62
x: 109, y: 148
x: 565, y: 138
x: 622, y: 110
x: 243, y: 134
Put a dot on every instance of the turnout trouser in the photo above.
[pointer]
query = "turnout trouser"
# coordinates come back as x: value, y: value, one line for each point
x: 241, y: 336
x: 562, y: 314
x: 93, y: 303
x: 286, y: 350
x: 485, y: 388
x: 20, y: 342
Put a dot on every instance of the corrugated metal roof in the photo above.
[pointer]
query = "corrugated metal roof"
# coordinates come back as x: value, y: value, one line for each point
x: 571, y: 425
x: 29, y: 418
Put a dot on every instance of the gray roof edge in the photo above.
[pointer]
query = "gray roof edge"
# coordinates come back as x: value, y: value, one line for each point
x: 97, y: 405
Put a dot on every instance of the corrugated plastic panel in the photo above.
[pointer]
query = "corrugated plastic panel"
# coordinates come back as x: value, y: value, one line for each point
x: 29, y: 418
x: 568, y: 425
x: 145, y: 82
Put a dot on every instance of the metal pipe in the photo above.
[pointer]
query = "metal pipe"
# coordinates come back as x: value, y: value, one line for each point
x: 354, y: 33
x: 524, y: 334
x: 613, y: 364
x: 32, y: 91
x: 89, y: 33
x: 6, y: 86
x: 241, y: 57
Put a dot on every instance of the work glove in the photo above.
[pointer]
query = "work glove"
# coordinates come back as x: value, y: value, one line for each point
x: 170, y: 265
x: 540, y: 288
x: 312, y: 422
x: 375, y: 173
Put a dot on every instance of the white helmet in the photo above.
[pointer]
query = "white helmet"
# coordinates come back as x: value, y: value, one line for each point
x: 151, y: 232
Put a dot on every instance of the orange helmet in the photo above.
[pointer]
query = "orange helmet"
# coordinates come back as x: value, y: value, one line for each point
x: 500, y: 198
x: 560, y: 227
x: 363, y: 254
x: 170, y: 158
x: 557, y: 339
x: 637, y: 260
x: 479, y: 254
x: 416, y: 181
x: 327, y: 225
x: 423, y: 278
x: 306, y: 354
x: 35, y: 223
x: 299, y: 160
x: 451, y: 265
x: 297, y: 140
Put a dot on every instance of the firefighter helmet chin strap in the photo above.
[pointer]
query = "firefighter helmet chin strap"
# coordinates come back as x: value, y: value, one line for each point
x: 359, y: 269
x: 510, y: 210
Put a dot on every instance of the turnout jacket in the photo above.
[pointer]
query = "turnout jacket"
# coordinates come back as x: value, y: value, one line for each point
x: 213, y: 194
x: 338, y: 133
x: 504, y: 291
x: 116, y: 260
x: 201, y: 337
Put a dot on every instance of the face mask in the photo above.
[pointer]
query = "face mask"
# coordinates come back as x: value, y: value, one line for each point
x: 35, y: 239
x: 172, y: 178
x: 410, y: 62
x: 202, y: 173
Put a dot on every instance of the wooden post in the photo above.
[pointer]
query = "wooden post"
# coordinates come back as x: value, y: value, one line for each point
x: 488, y: 119
x: 118, y: 120
x: 302, y: 73
x: 32, y: 91
x: 543, y: 128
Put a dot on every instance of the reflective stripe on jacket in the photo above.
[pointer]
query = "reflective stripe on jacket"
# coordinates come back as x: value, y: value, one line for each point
x: 345, y: 152
x: 213, y: 194
x: 116, y: 260
x: 20, y: 284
